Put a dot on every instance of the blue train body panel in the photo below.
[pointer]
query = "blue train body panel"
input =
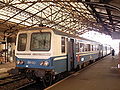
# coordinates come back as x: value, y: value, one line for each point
x: 35, y: 63
x: 60, y: 65
x: 87, y: 57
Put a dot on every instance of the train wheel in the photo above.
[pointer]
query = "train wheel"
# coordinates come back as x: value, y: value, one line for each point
x: 91, y: 61
x: 57, y: 77
x: 47, y: 80
x: 30, y: 75
x: 83, y: 65
x: 77, y: 68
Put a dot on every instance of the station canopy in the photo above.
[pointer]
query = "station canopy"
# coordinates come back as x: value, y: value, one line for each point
x: 71, y: 16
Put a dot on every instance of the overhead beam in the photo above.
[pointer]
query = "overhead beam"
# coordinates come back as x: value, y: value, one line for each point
x: 19, y: 12
x: 110, y: 18
x: 90, y: 12
x: 100, y: 19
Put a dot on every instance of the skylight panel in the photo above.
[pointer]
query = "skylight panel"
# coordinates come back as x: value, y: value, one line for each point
x: 3, y: 17
x: 13, y: 1
x: 20, y: 17
x: 32, y: 10
x: 21, y: 6
x: 25, y: 23
x: 81, y: 5
x: 15, y: 20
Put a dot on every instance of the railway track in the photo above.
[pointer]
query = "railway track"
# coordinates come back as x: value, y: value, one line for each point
x: 10, y: 79
x: 14, y: 82
x: 8, y: 76
x: 26, y: 85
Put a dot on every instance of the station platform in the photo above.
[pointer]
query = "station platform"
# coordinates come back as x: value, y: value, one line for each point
x: 5, y: 67
x: 103, y: 75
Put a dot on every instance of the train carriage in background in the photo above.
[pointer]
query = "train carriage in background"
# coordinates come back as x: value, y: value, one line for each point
x: 43, y: 52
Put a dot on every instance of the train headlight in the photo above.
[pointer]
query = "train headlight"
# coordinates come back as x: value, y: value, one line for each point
x: 82, y: 59
x: 44, y: 63
x: 19, y: 62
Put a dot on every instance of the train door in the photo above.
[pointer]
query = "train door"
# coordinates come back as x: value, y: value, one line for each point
x: 71, y: 48
x: 100, y: 51
x: 106, y: 49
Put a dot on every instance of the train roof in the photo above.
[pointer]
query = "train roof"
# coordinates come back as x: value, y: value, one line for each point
x: 57, y: 32
x: 71, y: 35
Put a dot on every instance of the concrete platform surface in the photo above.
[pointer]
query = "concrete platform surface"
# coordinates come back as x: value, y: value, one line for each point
x: 6, y: 66
x: 103, y: 75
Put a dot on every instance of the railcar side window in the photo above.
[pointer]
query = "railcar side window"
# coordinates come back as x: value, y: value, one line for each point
x: 97, y: 48
x: 40, y: 41
x: 92, y: 47
x: 81, y: 47
x: 77, y: 47
x: 22, y: 41
x: 105, y: 48
x: 88, y: 47
x: 63, y: 44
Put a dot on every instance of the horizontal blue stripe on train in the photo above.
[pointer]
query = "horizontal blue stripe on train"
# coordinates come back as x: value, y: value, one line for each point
x: 35, y: 63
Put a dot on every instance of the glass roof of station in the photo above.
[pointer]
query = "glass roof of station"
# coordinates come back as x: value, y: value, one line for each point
x: 70, y: 16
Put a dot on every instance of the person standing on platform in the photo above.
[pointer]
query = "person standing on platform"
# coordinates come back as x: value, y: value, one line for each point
x: 113, y: 53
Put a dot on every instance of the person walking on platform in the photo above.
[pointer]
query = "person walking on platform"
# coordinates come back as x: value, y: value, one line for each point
x: 113, y: 53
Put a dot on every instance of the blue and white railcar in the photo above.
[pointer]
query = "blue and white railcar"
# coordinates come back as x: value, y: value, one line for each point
x: 42, y: 52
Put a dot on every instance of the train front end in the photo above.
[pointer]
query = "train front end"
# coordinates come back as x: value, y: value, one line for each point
x: 33, y: 53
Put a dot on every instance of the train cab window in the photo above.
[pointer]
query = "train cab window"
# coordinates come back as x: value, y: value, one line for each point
x: 22, y: 41
x: 63, y: 44
x: 40, y: 41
